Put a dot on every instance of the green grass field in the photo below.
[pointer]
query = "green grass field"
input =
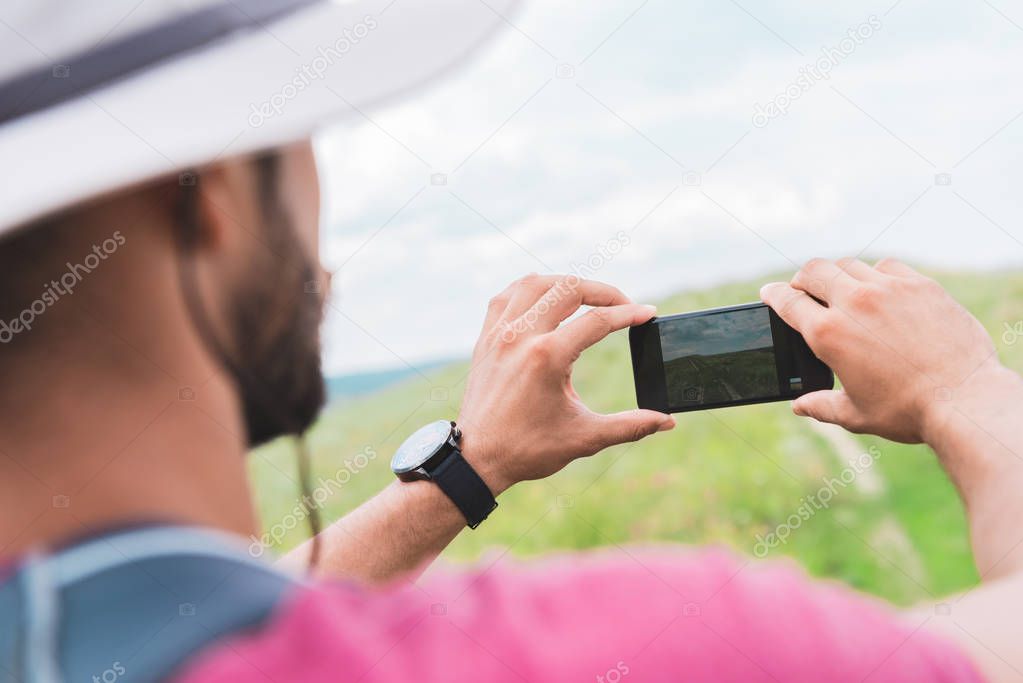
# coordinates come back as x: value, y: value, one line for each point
x: 722, y: 477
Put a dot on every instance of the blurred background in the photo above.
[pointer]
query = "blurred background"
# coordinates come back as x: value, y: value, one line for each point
x: 686, y: 152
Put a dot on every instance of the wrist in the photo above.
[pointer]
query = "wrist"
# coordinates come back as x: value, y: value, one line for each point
x: 478, y: 454
x: 985, y: 393
x: 957, y: 423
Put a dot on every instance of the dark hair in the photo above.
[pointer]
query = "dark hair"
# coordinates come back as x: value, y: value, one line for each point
x: 23, y: 253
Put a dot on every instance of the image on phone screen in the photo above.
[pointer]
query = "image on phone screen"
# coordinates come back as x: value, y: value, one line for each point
x: 722, y: 357
x: 719, y: 358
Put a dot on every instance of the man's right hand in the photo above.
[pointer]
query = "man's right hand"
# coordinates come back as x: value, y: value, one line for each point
x: 900, y: 345
x: 521, y: 418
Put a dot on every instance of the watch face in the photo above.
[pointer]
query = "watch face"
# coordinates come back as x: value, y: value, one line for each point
x: 421, y: 446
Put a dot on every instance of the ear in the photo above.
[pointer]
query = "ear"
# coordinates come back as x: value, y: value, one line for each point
x: 225, y: 205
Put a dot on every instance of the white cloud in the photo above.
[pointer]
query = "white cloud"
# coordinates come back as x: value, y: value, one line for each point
x: 564, y: 174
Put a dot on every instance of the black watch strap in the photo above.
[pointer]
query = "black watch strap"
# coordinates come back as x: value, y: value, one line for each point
x: 459, y: 482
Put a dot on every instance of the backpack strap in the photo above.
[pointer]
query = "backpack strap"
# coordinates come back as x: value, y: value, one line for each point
x: 132, y: 606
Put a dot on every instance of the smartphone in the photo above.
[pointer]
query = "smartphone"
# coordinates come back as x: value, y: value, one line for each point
x: 722, y: 357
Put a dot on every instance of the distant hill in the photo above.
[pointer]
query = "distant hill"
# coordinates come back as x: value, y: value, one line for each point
x: 726, y: 477
x: 343, y: 387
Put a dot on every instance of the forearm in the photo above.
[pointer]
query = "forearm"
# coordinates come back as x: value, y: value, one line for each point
x: 397, y: 532
x: 976, y: 432
x: 518, y: 394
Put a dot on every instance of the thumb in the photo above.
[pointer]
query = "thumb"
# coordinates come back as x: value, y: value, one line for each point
x: 832, y: 406
x: 631, y: 425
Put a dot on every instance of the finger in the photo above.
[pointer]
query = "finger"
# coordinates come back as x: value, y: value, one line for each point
x: 499, y: 303
x: 895, y: 268
x: 565, y: 297
x: 824, y: 280
x: 629, y: 426
x: 792, y: 305
x: 832, y: 406
x: 496, y: 308
x: 525, y: 292
x: 597, y: 323
x: 859, y: 270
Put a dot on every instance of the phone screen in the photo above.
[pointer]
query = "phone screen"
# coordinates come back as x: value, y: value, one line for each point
x: 720, y: 358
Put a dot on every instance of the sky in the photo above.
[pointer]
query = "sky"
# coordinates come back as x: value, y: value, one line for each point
x: 701, y: 142
x: 743, y: 330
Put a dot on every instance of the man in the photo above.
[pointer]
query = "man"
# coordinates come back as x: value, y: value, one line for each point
x: 157, y: 323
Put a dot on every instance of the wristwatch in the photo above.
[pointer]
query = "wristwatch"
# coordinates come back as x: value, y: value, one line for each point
x: 433, y: 454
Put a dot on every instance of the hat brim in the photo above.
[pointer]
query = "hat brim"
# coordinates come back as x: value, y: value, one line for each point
x: 266, y: 87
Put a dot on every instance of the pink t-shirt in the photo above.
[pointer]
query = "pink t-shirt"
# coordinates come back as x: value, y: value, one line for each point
x: 652, y: 615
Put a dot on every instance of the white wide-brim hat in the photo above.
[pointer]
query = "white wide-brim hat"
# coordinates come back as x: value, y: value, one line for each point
x: 97, y: 96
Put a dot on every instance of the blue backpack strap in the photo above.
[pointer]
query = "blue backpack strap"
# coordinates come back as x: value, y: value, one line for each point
x: 132, y: 606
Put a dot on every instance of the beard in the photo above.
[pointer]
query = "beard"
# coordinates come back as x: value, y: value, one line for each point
x: 276, y: 321
x: 271, y: 349
x: 282, y: 389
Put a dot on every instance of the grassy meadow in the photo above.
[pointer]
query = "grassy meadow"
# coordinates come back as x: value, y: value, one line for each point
x: 721, y: 477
